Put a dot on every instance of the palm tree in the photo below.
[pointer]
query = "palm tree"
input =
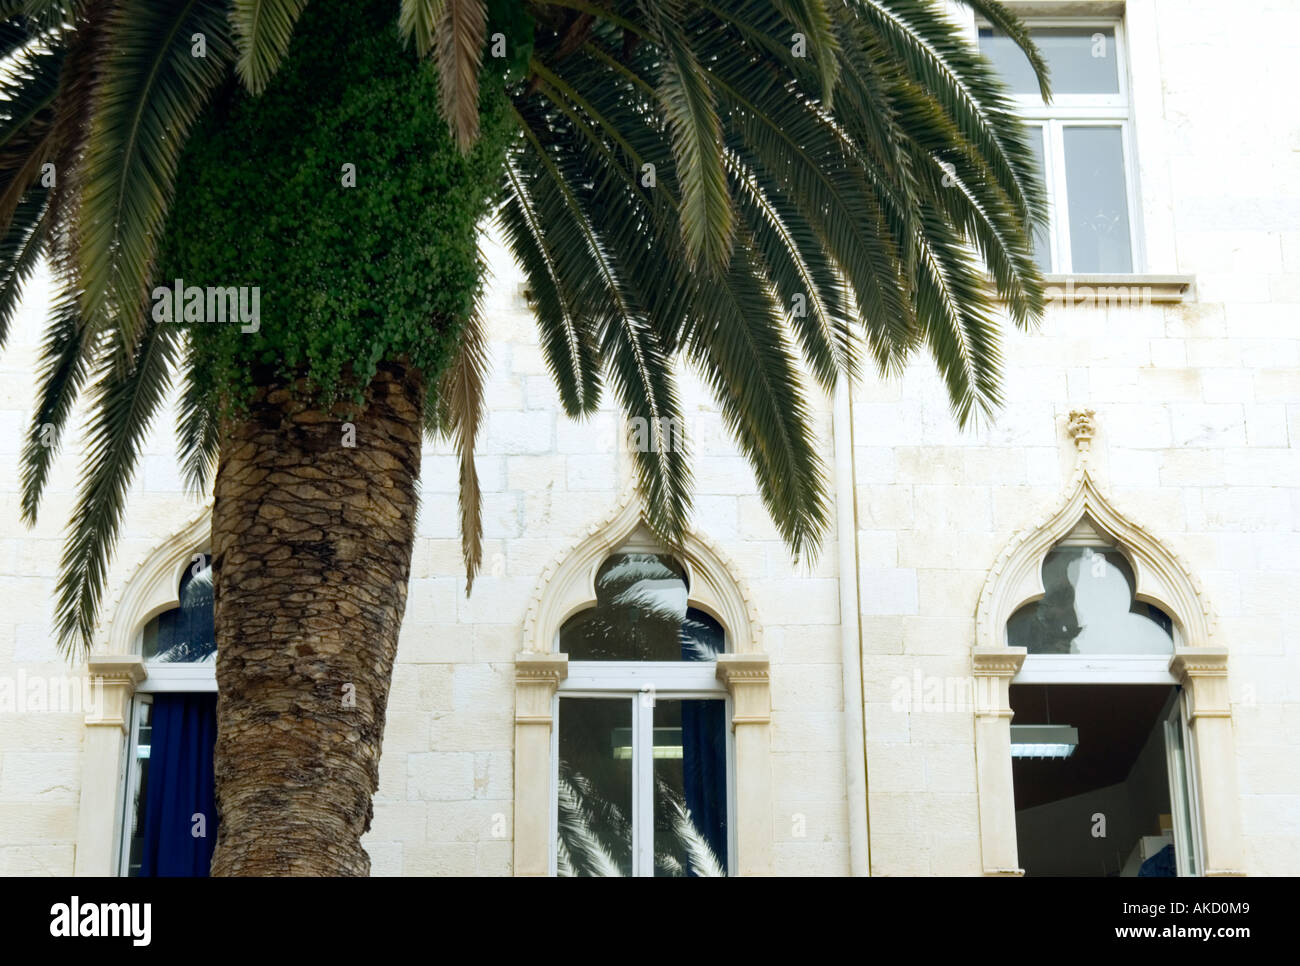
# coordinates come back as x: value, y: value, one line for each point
x: 757, y: 190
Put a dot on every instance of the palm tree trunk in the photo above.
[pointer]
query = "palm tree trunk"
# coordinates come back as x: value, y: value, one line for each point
x: 311, y: 554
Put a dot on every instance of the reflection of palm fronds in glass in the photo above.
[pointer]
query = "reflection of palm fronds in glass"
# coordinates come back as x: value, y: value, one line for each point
x: 697, y: 640
x: 681, y: 849
x: 655, y: 602
x: 198, y: 590
x: 595, y: 837
x: 626, y: 569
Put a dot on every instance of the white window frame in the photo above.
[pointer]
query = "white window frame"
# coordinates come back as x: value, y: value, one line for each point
x: 1177, y: 718
x: 1082, y: 110
x: 1098, y: 669
x: 633, y: 681
x: 130, y: 784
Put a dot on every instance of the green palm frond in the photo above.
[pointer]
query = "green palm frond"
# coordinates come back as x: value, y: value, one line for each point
x: 123, y: 400
x: 566, y: 337
x: 745, y: 358
x: 21, y: 249
x: 198, y: 429
x: 1004, y: 20
x: 263, y: 29
x: 27, y: 90
x: 812, y: 18
x: 63, y: 369
x: 689, y: 103
x: 153, y: 87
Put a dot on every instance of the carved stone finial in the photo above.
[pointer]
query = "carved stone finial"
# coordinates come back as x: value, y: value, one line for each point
x: 1082, y: 426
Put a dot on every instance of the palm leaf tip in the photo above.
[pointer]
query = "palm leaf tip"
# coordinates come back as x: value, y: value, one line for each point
x: 459, y: 54
x: 263, y: 30
x: 418, y: 22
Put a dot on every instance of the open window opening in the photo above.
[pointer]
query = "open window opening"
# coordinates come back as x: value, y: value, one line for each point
x: 1102, y: 781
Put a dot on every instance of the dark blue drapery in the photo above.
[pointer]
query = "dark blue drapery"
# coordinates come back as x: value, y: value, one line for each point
x: 180, y: 786
x: 704, y: 740
x: 704, y: 771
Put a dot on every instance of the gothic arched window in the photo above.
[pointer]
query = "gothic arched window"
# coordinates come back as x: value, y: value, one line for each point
x: 642, y: 747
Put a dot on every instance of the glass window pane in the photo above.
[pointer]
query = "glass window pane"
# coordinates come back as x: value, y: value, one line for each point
x: 1088, y: 608
x: 138, y: 792
x: 1041, y: 241
x: 1098, y: 200
x: 595, y: 788
x: 641, y: 615
x: 185, y: 634
x: 690, y: 781
x: 1082, y: 60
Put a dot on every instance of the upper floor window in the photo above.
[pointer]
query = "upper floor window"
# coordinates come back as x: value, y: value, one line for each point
x: 1082, y: 141
x: 642, y: 751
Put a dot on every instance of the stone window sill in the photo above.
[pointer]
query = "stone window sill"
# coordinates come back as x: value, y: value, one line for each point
x: 1119, y: 290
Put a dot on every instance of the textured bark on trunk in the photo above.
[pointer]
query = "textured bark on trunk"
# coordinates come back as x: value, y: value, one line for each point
x: 311, y: 554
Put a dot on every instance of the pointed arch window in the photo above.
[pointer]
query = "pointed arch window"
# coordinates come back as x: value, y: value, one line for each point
x: 641, y: 748
x: 1100, y: 725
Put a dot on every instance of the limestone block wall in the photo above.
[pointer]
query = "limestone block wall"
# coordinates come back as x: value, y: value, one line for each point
x: 446, y: 776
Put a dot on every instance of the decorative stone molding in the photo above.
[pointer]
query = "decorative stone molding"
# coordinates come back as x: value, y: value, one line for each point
x: 1082, y: 427
x: 568, y: 583
x: 116, y: 675
x: 536, y: 678
x: 993, y: 668
x: 1209, y: 665
x: 1121, y: 291
x: 748, y: 679
x: 1066, y: 8
x: 103, y: 747
x: 153, y: 584
x: 995, y: 664
x: 1161, y: 575
x: 1203, y: 672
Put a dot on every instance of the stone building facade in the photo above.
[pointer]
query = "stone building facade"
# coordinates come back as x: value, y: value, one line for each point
x: 1155, y: 413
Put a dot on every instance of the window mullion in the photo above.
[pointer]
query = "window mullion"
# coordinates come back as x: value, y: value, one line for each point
x: 1060, y: 196
x: 643, y: 771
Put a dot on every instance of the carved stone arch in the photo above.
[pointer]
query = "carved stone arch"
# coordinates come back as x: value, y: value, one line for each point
x: 1160, y: 575
x: 153, y: 585
x: 568, y: 584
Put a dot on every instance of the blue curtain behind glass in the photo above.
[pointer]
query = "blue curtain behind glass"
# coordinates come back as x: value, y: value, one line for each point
x: 180, y: 786
x: 704, y: 770
x: 704, y: 735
